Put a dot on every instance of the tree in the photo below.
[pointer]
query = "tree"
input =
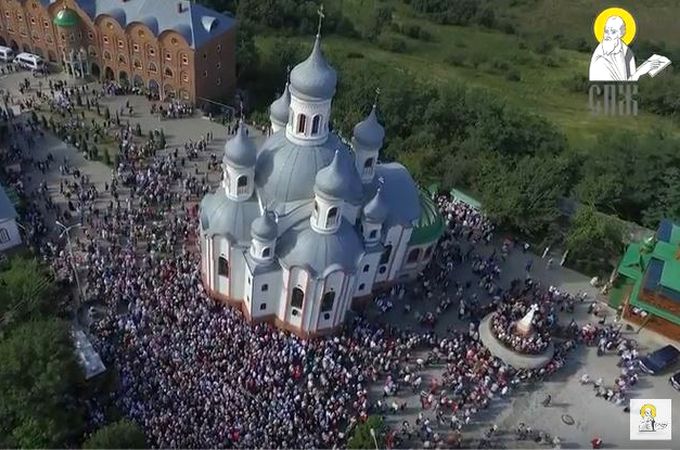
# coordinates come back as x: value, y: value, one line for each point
x: 39, y: 384
x: 362, y: 438
x: 122, y: 434
x: 27, y: 292
x: 594, y: 240
x: 602, y: 192
x: 667, y: 203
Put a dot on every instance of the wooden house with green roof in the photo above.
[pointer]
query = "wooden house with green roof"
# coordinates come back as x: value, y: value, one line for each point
x: 647, y: 282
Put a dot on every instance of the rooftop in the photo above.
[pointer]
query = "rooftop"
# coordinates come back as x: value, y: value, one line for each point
x: 7, y: 210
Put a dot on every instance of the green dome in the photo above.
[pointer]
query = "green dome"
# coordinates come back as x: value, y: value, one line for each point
x: 431, y: 224
x: 648, y: 244
x: 66, y: 18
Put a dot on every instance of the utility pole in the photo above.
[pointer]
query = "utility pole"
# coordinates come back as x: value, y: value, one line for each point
x: 67, y: 231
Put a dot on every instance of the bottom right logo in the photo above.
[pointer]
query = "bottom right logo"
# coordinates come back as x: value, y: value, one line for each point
x: 650, y: 419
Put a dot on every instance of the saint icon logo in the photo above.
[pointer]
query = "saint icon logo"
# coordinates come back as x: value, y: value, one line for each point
x: 650, y: 419
x: 613, y: 60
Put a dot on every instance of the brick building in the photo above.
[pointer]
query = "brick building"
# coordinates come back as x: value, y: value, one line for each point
x: 177, y: 48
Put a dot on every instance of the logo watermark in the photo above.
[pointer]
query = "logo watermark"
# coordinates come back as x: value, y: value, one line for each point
x: 650, y: 419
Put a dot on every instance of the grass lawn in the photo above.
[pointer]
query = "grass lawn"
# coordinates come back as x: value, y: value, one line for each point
x: 482, y: 58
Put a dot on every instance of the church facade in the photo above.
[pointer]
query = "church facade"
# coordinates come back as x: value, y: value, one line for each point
x: 307, y: 224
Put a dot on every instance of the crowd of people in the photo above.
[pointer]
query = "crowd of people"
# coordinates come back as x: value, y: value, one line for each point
x: 194, y: 373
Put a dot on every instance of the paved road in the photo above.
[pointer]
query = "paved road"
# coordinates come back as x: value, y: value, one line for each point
x: 593, y: 416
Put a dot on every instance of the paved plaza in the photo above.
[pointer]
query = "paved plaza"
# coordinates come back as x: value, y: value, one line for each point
x: 592, y: 416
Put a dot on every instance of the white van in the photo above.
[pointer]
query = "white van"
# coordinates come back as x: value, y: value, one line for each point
x: 29, y: 61
x: 6, y: 54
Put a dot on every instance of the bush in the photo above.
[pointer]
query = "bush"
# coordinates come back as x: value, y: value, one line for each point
x: 355, y: 55
x: 513, y: 75
x: 577, y: 83
x: 500, y: 65
x: 455, y: 59
x: 392, y: 44
x: 477, y: 59
x: 544, y: 47
x: 121, y: 434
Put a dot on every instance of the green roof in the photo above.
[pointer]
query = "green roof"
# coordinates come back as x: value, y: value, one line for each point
x: 670, y: 276
x: 635, y: 300
x: 66, y: 18
x: 665, y: 251
x: 465, y: 198
x: 675, y: 235
x: 431, y: 224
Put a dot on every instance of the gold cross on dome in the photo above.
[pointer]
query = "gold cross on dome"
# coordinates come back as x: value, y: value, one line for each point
x: 321, y: 17
x: 377, y: 94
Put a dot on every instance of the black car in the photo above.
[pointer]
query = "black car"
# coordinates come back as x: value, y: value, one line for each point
x: 659, y: 360
x: 674, y: 380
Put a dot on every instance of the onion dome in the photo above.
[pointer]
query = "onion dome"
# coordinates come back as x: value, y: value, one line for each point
x: 278, y: 111
x: 339, y: 180
x: 240, y: 150
x: 314, y: 77
x: 369, y: 132
x: 376, y: 210
x: 66, y: 18
x: 264, y: 227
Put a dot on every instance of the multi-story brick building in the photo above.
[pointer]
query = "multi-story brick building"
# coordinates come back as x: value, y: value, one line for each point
x: 177, y: 48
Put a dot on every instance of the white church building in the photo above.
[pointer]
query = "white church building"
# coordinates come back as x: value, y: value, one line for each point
x: 304, y: 226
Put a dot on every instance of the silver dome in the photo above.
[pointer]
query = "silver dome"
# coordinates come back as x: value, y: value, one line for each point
x: 240, y: 151
x: 279, y: 109
x: 369, y: 132
x: 314, y: 77
x: 264, y: 227
x: 225, y: 217
x: 339, y: 179
x: 376, y: 211
x: 285, y: 171
x: 318, y: 252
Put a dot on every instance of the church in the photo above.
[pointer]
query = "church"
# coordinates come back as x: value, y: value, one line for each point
x: 308, y: 224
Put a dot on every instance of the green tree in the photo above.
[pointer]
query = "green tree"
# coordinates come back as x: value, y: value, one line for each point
x: 667, y: 203
x: 26, y: 292
x: 39, y: 384
x: 361, y: 436
x: 603, y: 192
x: 122, y: 434
x: 247, y: 55
x: 594, y: 240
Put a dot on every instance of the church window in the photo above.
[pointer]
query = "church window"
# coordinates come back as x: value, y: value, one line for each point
x: 168, y: 72
x: 326, y: 316
x: 302, y: 122
x: 316, y: 123
x: 266, y: 252
x: 373, y: 234
x: 316, y: 209
x: 137, y: 63
x: 382, y: 269
x: 327, y: 301
x: 332, y: 217
x: 366, y: 268
x: 414, y: 255
x: 362, y: 286
x: 242, y: 184
x: 386, y: 255
x: 107, y: 55
x: 247, y: 299
x: 265, y: 287
x: 428, y: 252
x: 4, y: 236
x: 297, y: 298
x: 368, y: 166
x: 153, y: 68
x: 263, y: 306
x: 223, y: 267
x: 120, y: 43
x: 121, y: 59
x: 105, y: 38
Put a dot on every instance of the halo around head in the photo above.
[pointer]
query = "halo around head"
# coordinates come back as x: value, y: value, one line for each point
x: 650, y: 407
x: 628, y: 19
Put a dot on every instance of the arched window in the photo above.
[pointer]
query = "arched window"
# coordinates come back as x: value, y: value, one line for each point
x: 266, y: 252
x: 414, y: 255
x: 316, y: 123
x: 298, y: 298
x: 362, y: 286
x: 223, y: 267
x: 373, y: 234
x: 366, y: 268
x: 386, y: 254
x: 327, y: 301
x: 242, y: 184
x: 302, y: 122
x: 368, y: 166
x: 265, y: 287
x: 332, y: 217
x: 168, y: 72
x: 153, y: 68
x: 428, y: 252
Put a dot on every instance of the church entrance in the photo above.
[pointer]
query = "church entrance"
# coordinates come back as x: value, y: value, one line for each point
x: 108, y: 74
x: 3, y: 42
x: 95, y: 71
x: 123, y: 78
x: 137, y: 81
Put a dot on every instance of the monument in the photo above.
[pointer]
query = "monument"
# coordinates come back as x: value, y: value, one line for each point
x: 522, y: 329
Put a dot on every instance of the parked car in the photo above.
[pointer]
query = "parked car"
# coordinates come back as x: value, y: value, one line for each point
x: 660, y: 359
x: 674, y: 380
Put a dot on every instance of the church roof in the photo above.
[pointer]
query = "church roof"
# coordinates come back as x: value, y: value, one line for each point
x: 264, y: 227
x: 285, y: 172
x: 400, y: 193
x: 369, y: 132
x: 430, y: 226
x: 314, y: 77
x: 220, y: 215
x: 339, y: 179
x: 376, y: 210
x: 320, y: 253
x: 278, y: 111
x: 196, y: 23
x: 240, y: 151
x: 66, y: 18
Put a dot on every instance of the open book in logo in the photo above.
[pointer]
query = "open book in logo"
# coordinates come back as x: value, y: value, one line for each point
x: 613, y: 60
